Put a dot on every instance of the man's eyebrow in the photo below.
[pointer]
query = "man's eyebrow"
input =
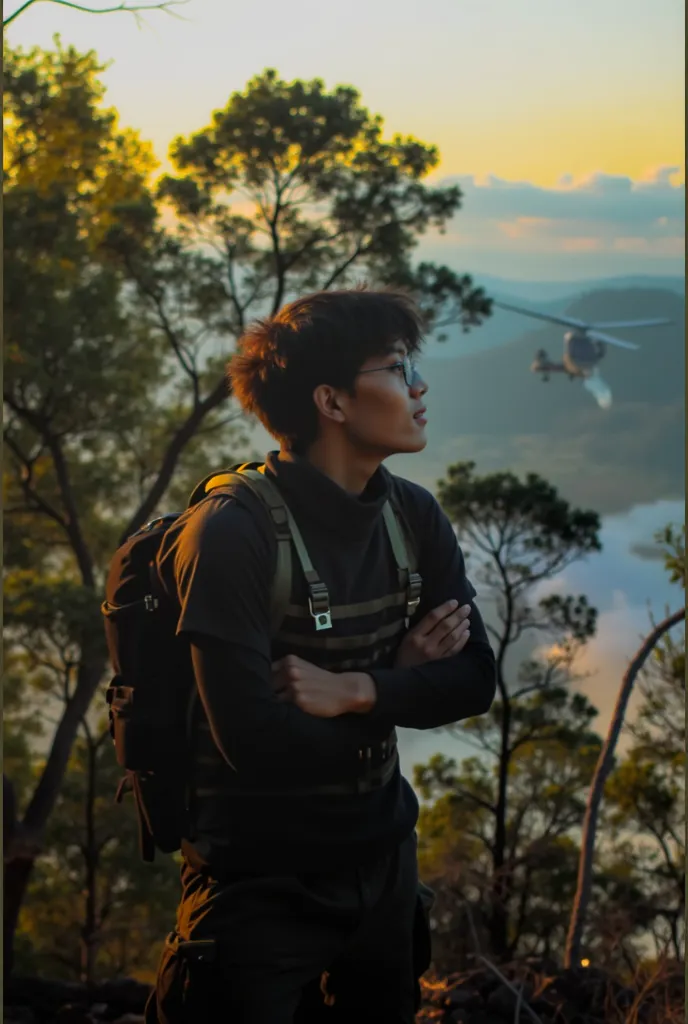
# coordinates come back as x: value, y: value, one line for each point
x: 399, y: 348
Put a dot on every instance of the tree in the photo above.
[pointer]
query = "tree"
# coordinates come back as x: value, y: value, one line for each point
x: 135, y: 9
x: 293, y: 189
x: 547, y: 785
x: 118, y: 332
x: 521, y: 534
x: 92, y: 395
x: 675, y: 563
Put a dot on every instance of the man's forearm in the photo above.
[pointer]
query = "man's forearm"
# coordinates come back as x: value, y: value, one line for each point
x: 436, y: 693
x: 363, y: 692
x: 250, y: 726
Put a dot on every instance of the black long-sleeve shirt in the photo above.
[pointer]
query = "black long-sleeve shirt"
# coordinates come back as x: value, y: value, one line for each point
x: 219, y: 563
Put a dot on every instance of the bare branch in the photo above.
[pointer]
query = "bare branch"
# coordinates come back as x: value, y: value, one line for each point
x: 135, y: 9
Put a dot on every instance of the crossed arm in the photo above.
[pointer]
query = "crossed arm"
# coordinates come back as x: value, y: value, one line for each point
x: 442, y: 633
x: 444, y: 671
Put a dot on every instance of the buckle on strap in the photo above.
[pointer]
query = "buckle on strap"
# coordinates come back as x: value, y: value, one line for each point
x: 280, y: 521
x: 413, y: 592
x: 319, y: 605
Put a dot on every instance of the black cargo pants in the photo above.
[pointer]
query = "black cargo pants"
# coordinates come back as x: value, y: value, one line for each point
x: 253, y: 950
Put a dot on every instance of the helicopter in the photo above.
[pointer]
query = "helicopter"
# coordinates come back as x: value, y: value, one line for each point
x: 584, y: 348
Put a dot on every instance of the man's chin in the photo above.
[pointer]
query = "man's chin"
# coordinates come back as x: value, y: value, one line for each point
x: 413, y: 445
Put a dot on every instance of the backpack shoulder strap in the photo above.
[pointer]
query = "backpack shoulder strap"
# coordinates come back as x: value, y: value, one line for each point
x: 404, y: 555
x: 288, y: 533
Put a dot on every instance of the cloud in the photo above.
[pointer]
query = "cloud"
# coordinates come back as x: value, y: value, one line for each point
x: 595, y: 197
x: 625, y: 586
x: 606, y: 213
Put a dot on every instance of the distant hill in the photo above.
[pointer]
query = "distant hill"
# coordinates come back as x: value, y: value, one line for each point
x: 555, y: 291
x: 547, y: 297
x: 487, y: 406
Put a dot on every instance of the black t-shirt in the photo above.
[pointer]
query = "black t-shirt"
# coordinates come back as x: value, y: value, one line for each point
x: 218, y: 561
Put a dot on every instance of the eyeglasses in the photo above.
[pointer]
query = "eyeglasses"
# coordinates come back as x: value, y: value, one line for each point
x: 411, y: 375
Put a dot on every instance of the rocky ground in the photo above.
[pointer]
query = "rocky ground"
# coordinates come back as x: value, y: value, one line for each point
x: 531, y: 992
x: 543, y: 993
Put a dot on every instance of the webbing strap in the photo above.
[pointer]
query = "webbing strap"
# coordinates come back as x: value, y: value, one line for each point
x: 395, y: 538
x: 281, y: 583
x: 319, y: 598
x: 260, y: 485
x: 412, y: 580
x: 287, y: 531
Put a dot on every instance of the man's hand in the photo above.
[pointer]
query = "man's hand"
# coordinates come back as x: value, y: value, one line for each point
x: 442, y: 633
x: 319, y: 692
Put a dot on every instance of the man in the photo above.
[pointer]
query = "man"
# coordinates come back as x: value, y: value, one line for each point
x: 303, y: 859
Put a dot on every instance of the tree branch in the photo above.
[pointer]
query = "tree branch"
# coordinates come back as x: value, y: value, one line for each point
x: 40, y: 504
x: 343, y: 267
x: 186, y: 431
x: 166, y: 327
x: 73, y: 526
x: 134, y: 9
x: 467, y: 795
x: 602, y: 770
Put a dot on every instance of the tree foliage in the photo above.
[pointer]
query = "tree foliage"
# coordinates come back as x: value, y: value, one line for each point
x: 293, y: 188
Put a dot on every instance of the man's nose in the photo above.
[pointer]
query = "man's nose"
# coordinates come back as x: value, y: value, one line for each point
x: 418, y: 385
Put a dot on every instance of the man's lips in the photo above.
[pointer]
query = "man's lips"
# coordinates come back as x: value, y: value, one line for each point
x: 420, y: 415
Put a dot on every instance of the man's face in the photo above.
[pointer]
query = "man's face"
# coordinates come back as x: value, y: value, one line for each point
x: 386, y: 416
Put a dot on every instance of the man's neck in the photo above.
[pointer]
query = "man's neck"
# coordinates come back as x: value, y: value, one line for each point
x: 349, y: 468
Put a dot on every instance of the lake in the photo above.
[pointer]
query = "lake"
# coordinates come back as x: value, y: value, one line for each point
x: 623, y: 585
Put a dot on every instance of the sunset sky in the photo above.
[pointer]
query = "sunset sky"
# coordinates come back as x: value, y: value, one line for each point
x: 564, y: 122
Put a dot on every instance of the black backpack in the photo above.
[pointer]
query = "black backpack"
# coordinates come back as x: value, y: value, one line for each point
x: 152, y: 695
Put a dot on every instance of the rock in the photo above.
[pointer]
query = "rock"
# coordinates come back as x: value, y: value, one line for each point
x: 125, y: 994
x: 72, y: 1013
x: 459, y: 1017
x: 503, y: 1000
x: 463, y: 999
x: 480, y: 1017
x: 542, y: 1007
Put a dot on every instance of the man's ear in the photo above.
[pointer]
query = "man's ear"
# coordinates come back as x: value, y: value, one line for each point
x: 328, y: 403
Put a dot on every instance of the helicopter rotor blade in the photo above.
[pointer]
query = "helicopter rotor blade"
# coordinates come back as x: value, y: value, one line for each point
x: 615, y: 324
x: 563, y: 320
x: 609, y: 340
x: 599, y: 389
